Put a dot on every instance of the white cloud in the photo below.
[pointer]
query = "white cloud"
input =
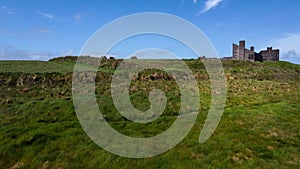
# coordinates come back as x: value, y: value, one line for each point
x: 209, y: 4
x: 8, y: 52
x: 289, y: 54
x: 289, y: 46
x: 71, y: 52
x: 7, y: 10
x: 46, y: 15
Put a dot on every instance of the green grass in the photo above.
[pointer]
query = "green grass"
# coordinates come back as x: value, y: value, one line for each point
x: 260, y: 127
x: 35, y: 66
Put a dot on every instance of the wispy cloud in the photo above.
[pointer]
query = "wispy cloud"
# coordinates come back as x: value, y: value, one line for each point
x: 78, y: 17
x: 7, y: 10
x: 289, y: 47
x: 42, y: 31
x: 34, y: 33
x: 209, y: 4
x: 289, y: 54
x: 70, y: 52
x: 9, y: 52
x: 46, y: 15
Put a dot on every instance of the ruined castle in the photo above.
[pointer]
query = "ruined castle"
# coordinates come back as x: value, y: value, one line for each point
x: 240, y: 52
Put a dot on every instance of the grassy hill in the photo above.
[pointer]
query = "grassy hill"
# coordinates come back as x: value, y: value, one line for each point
x: 260, y: 127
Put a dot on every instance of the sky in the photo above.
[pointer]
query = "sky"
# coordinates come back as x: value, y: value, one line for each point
x: 43, y: 29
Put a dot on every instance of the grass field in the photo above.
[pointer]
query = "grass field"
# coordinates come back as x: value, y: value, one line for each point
x: 260, y: 127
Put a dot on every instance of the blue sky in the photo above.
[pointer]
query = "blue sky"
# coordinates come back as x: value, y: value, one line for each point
x: 40, y: 29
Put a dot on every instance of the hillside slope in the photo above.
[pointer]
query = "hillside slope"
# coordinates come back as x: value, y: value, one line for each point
x: 260, y: 127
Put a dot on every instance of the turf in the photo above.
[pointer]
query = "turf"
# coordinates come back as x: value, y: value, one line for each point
x: 260, y: 127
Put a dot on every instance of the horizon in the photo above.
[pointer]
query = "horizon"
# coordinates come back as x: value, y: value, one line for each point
x: 41, y: 30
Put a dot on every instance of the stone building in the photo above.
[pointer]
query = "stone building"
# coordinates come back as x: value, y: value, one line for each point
x: 240, y: 52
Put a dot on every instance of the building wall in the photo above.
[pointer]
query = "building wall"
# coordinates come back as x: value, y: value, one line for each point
x: 239, y: 52
x: 235, y: 51
x: 242, y: 50
x: 249, y: 55
x: 270, y: 54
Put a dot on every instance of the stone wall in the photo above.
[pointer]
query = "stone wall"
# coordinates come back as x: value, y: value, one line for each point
x: 242, y: 49
x: 270, y: 54
x: 240, y: 52
x: 235, y: 51
x: 249, y: 55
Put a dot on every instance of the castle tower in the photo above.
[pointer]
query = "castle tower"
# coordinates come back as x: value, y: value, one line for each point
x: 269, y: 49
x: 235, y: 51
x: 242, y: 50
